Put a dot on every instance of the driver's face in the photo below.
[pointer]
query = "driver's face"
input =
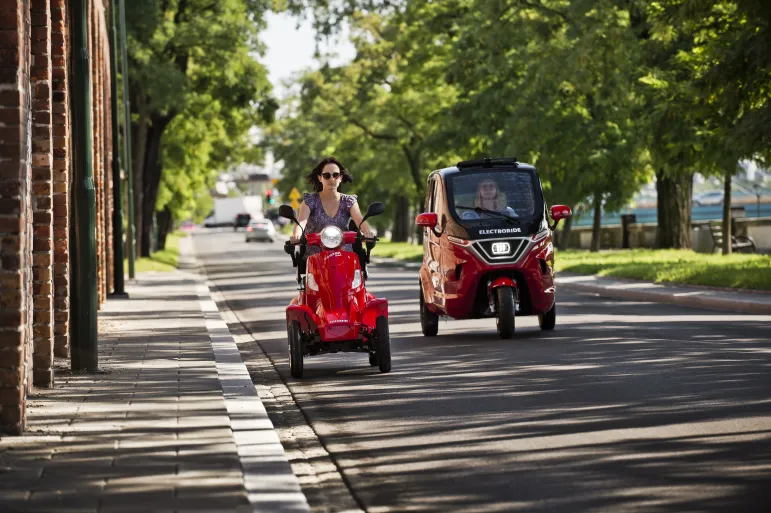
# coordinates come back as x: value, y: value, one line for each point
x: 488, y: 189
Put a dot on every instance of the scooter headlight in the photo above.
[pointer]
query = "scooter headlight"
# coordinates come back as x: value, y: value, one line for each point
x: 356, y: 279
x: 331, y: 237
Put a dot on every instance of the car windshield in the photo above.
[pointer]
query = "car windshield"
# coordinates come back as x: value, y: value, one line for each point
x: 486, y: 195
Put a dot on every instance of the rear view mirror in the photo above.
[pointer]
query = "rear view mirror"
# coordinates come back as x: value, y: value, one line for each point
x: 287, y: 211
x: 427, y: 220
x: 375, y: 209
x: 560, y: 212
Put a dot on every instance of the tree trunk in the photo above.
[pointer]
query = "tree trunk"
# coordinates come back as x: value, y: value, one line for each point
x: 140, y: 145
x: 401, y: 231
x: 164, y: 226
x: 674, y: 209
x: 727, y: 234
x: 564, y: 242
x: 152, y: 179
x: 597, y: 224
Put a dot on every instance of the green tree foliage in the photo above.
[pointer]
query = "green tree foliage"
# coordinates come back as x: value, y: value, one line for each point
x: 601, y: 95
x: 196, y: 91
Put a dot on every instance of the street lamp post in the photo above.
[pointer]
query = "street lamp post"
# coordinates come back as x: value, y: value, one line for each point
x: 85, y: 353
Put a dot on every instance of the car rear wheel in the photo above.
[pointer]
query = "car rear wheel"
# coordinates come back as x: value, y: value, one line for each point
x: 295, y: 350
x: 506, y: 312
x: 429, y: 321
x: 547, y: 320
x: 383, y: 344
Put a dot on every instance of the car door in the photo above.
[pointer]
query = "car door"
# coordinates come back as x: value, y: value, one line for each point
x: 432, y: 248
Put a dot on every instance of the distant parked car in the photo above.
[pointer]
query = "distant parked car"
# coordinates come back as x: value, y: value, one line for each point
x: 241, y: 220
x: 187, y: 226
x: 708, y: 198
x: 260, y: 229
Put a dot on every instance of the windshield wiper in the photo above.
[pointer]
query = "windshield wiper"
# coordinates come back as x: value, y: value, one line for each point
x: 480, y: 210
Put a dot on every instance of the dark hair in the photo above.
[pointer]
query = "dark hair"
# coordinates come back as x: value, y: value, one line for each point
x: 313, y: 177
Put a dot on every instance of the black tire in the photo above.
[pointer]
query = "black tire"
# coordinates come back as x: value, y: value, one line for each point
x: 373, y: 359
x: 506, y: 312
x: 295, y: 350
x: 549, y: 319
x: 429, y: 321
x: 383, y: 340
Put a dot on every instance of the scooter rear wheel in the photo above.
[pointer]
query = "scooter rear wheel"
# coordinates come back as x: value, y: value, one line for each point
x: 549, y: 319
x: 383, y: 344
x: 429, y: 321
x: 295, y: 350
x: 506, y: 312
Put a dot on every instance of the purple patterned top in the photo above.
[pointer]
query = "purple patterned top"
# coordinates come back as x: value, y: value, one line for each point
x: 318, y: 218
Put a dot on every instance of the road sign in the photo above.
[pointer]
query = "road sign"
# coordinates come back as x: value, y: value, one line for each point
x: 274, y: 181
x: 294, y: 196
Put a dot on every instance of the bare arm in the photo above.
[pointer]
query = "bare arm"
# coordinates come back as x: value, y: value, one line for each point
x: 302, y: 217
x: 366, y: 230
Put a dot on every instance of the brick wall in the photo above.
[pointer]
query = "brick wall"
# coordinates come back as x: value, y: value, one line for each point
x: 15, y: 215
x: 35, y: 186
x: 61, y: 176
x: 42, y: 199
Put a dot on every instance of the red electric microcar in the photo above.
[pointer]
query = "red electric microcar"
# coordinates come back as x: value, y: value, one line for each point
x: 488, y: 248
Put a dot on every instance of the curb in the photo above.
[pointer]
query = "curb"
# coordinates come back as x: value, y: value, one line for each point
x: 394, y: 263
x: 270, y: 483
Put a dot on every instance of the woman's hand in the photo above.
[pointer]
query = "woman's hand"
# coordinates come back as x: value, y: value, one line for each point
x: 367, y: 231
x: 294, y: 239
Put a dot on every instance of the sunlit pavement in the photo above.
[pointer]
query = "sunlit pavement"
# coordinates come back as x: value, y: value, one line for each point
x: 627, y: 405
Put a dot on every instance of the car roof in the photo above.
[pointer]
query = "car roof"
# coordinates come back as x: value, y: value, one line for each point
x: 497, y: 164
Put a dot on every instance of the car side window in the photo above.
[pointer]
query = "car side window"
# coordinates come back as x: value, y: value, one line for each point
x: 436, y: 200
x: 430, y: 196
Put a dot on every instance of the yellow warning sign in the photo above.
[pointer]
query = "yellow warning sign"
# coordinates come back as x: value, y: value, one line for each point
x: 294, y: 196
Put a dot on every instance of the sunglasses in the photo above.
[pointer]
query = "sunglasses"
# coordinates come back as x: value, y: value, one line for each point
x: 334, y: 175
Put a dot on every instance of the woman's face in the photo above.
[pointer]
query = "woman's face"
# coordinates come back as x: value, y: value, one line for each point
x: 488, y: 190
x: 330, y: 177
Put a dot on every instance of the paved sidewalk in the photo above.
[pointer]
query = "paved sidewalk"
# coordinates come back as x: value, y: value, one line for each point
x: 154, y: 431
x: 683, y: 295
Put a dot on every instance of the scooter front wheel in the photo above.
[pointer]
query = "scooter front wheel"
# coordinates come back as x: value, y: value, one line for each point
x: 506, y: 312
x: 295, y: 350
x: 383, y: 344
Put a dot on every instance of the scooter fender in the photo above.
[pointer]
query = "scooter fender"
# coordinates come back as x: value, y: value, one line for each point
x: 373, y: 309
x: 303, y: 315
x: 502, y: 281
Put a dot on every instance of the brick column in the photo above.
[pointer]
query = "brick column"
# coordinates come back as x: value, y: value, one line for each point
x: 61, y: 177
x: 107, y: 129
x: 42, y: 199
x: 15, y: 216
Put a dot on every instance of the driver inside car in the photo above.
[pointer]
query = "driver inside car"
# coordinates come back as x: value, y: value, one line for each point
x: 488, y: 197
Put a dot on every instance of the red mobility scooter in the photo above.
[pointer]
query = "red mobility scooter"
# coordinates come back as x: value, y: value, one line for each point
x: 488, y: 248
x: 333, y: 311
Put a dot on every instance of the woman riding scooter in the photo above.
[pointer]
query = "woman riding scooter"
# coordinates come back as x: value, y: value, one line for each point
x: 333, y: 311
x: 313, y: 214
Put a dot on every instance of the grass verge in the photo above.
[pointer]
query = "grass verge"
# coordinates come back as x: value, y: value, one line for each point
x: 672, y: 266
x: 399, y: 250
x: 161, y: 261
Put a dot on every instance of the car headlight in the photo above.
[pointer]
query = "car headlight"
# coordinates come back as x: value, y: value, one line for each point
x: 331, y: 237
x: 356, y: 279
x: 310, y: 281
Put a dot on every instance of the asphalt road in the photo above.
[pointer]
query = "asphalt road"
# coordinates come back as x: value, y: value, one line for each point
x: 626, y: 406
